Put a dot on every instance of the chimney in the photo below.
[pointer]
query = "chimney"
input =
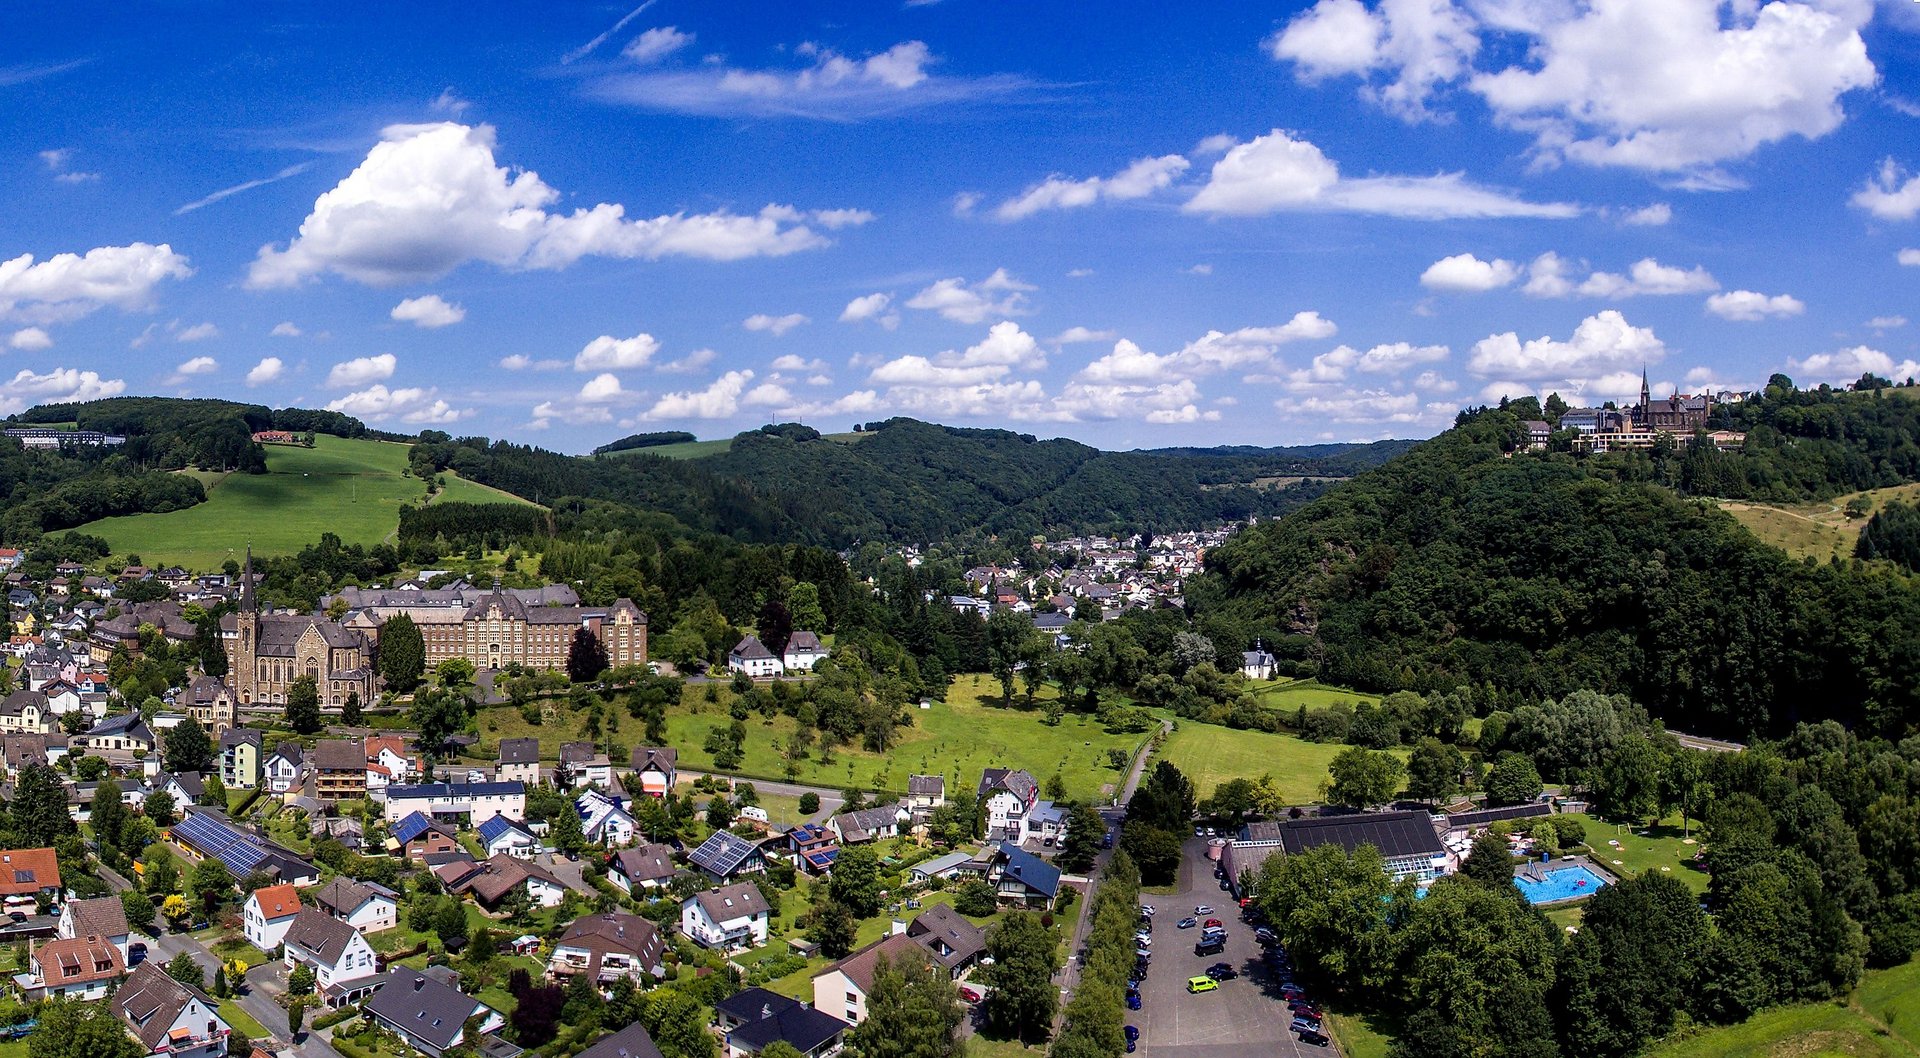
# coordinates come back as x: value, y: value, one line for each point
x: 419, y: 983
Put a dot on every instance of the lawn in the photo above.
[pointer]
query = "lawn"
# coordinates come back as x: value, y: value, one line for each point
x: 241, y: 1021
x: 956, y: 738
x: 1358, y: 1037
x: 702, y: 449
x: 460, y: 490
x: 1661, y: 847
x: 1210, y: 755
x: 352, y: 488
x: 1292, y: 694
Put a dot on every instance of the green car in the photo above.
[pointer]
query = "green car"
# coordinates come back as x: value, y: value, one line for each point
x: 1196, y: 985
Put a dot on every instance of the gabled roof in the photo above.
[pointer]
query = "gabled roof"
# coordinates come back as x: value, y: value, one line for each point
x: 78, y: 960
x: 805, y: 642
x: 732, y: 901
x: 615, y: 932
x: 149, y: 1002
x: 1013, y: 780
x: 723, y: 852
x: 648, y: 863
x: 278, y: 901
x: 101, y: 916
x: 411, y: 826
x: 491, y: 830
x: 630, y: 1042
x: 658, y: 758
x: 519, y: 751
x: 859, y: 966
x: 947, y: 935
x: 423, y: 1007
x: 927, y: 785
x: 342, y: 895
x: 1395, y: 834
x: 24, y: 872
x: 322, y: 934
x: 751, y: 649
x: 1030, y: 870
x: 338, y: 754
x: 501, y: 874
x: 767, y: 1017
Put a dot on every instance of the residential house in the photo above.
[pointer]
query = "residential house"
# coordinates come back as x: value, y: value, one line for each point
x: 607, y: 947
x: 605, y: 819
x: 281, y: 769
x: 27, y: 712
x: 946, y: 866
x: 754, y: 1018
x: 339, y: 770
x: 726, y: 855
x: 655, y: 768
x: 582, y: 764
x: 429, y: 1015
x: 1005, y: 797
x: 268, y: 913
x: 186, y: 788
x: 519, y: 761
x: 241, y: 758
x: 62, y: 697
x: 366, y: 906
x: 502, y: 836
x: 750, y: 656
x: 27, y: 876
x: 209, y: 701
x: 465, y: 803
x: 349, y: 832
x: 494, y: 878
x: 925, y: 793
x: 418, y: 836
x: 1020, y: 877
x: 633, y: 871
x: 730, y: 918
x: 804, y: 650
x: 209, y: 834
x: 630, y: 1042
x: 1258, y: 664
x: 868, y: 824
x: 841, y: 990
x: 388, y: 762
x: 18, y: 751
x: 954, y: 943
x: 82, y: 967
x: 345, y: 967
x: 170, y: 1019
x: 1047, y: 823
x: 101, y: 916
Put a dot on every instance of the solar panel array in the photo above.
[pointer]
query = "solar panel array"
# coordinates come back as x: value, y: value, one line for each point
x: 412, y: 826
x: 240, y: 851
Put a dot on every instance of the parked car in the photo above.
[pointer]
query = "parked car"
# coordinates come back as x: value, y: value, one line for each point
x: 1196, y: 985
x: 1222, y: 972
x: 1266, y: 936
x: 1133, y: 1000
x: 1213, y: 922
x: 1147, y: 910
x: 1305, y: 1025
x: 1187, y: 923
x: 1106, y: 840
x: 1318, y: 1039
x: 1203, y: 909
x: 1144, y: 940
x: 1198, y: 831
x: 970, y: 994
x: 1213, y: 946
x: 1132, y: 1031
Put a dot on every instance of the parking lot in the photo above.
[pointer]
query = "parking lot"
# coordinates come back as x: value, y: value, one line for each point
x: 1245, y: 1017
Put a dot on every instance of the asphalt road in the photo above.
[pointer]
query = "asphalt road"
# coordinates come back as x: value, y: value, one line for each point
x: 1243, y: 1018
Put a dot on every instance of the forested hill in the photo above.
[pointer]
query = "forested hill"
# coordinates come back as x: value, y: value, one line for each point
x: 909, y: 481
x: 1531, y: 575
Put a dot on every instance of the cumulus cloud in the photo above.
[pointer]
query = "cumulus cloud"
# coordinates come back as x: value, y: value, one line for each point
x: 285, y: 329
x: 1888, y: 196
x: 419, y: 406
x: 268, y: 369
x: 834, y: 87
x: 199, y: 365
x: 1887, y: 323
x: 1005, y: 348
x: 57, y: 386
x: 1372, y: 406
x: 30, y: 340
x: 67, y: 286
x: 361, y: 370
x: 1648, y: 276
x: 1211, y: 353
x: 429, y: 198
x: 690, y: 363
x: 1073, y: 335
x: 523, y: 362
x: 1603, y: 346
x: 1649, y: 216
x: 656, y: 44
x: 430, y: 311
x: 790, y: 362
x: 871, y: 307
x: 1138, y: 180
x: 1390, y: 358
x: 766, y: 395
x: 719, y: 400
x: 954, y: 298
x: 607, y: 353
x: 1748, y: 306
x: 601, y: 388
x: 1465, y: 272
x: 774, y: 325
x: 60, y: 162
x: 1279, y: 173
x: 1909, y: 257
x: 197, y: 333
x: 1411, y: 45
x: 1846, y: 365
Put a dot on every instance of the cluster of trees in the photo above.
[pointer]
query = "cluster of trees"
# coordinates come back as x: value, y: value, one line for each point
x: 1893, y: 533
x: 1157, y: 819
x: 1456, y: 567
x: 1095, y: 1014
x: 653, y: 439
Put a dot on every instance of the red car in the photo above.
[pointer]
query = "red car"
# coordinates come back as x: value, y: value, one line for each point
x: 969, y: 994
x: 1211, y: 923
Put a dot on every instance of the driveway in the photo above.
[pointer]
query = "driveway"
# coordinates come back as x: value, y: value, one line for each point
x: 1244, y: 1018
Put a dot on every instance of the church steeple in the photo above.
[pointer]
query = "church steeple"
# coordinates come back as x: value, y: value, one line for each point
x: 246, y: 582
x: 1646, y: 391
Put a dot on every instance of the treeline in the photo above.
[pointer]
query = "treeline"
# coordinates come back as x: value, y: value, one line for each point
x: 465, y: 521
x: 646, y: 440
x: 1893, y: 533
x: 1810, y: 843
x: 1460, y: 564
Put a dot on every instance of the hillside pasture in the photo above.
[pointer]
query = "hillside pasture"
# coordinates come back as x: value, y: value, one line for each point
x: 1818, y: 530
x: 1882, y: 1018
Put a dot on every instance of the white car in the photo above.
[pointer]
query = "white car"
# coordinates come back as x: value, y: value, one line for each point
x: 1144, y: 940
x: 1203, y: 909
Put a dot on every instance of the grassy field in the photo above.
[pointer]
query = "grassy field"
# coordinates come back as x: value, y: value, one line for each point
x: 1821, y: 530
x: 956, y: 738
x: 1290, y: 695
x: 1881, y: 1019
x: 460, y: 490
x: 1211, y: 755
x: 349, y: 487
x: 1662, y: 847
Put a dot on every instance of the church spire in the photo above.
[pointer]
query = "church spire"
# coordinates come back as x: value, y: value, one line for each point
x: 246, y: 581
x: 1646, y: 391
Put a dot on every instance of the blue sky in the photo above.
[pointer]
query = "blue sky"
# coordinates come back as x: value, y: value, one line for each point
x: 1136, y: 224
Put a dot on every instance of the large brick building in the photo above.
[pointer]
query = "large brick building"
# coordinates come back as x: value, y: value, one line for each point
x: 267, y: 652
x: 499, y: 626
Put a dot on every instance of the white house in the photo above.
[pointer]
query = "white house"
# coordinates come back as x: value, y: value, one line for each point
x: 868, y: 824
x: 1005, y: 797
x: 730, y: 918
x: 281, y: 771
x: 753, y: 658
x: 73, y: 968
x: 803, y: 651
x: 633, y: 871
x: 171, y: 1020
x: 607, y: 947
x: 431, y: 1016
x: 345, y: 967
x: 502, y: 836
x: 468, y: 802
x: 519, y: 761
x: 656, y: 768
x: 1258, y: 664
x: 366, y: 906
x: 267, y: 914
x: 102, y: 916
x: 605, y: 821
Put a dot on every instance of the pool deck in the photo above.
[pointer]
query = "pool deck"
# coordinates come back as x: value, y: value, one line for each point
x: 1537, y: 871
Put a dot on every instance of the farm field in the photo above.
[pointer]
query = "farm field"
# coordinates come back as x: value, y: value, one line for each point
x: 1882, y: 1019
x: 1211, y: 755
x: 955, y: 738
x: 1820, y: 530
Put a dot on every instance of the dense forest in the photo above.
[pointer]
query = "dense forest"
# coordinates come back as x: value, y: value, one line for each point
x: 1528, y: 575
x: 908, y: 481
x: 646, y: 440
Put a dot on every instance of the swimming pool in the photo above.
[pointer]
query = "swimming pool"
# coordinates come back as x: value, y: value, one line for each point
x: 1568, y: 882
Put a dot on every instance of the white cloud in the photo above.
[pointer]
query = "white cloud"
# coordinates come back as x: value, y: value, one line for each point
x: 1358, y: 405
x: 57, y: 386
x: 1005, y: 349
x: 1074, y: 335
x: 774, y: 325
x: 656, y: 44
x: 1163, y: 404
x: 767, y: 395
x: 68, y: 286
x: 790, y: 362
x: 1465, y: 272
x: 1138, y: 180
x: 412, y: 405
x: 243, y: 186
x: 997, y: 295
x: 430, y: 311
x: 602, y: 388
x: 1276, y: 173
x: 429, y: 198
x: 436, y: 413
x: 58, y: 162
x: 1200, y: 270
x: 1909, y: 257
x: 284, y: 329
x: 1889, y: 197
x: 1887, y: 323
x: 607, y: 353
x: 1421, y: 43
x: 523, y: 362
x: 871, y: 307
x: 1211, y: 353
x: 199, y: 365
x: 199, y: 332
x: 690, y: 363
x: 1390, y: 358
x: 1648, y: 276
x: 268, y: 369
x: 1649, y: 216
x: 447, y: 102
x: 361, y: 370
x: 1846, y: 365
x: 1748, y: 305
x: 1603, y: 343
x: 717, y: 401
x: 835, y: 87
x: 30, y: 339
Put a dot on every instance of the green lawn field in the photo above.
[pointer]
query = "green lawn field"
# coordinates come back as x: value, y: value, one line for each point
x: 460, y: 490
x: 1290, y: 695
x: 1882, y: 1019
x: 703, y: 449
x: 1210, y: 755
x: 956, y: 738
x: 1661, y: 849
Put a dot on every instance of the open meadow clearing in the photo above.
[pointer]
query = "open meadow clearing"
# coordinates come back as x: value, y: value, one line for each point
x: 1820, y: 530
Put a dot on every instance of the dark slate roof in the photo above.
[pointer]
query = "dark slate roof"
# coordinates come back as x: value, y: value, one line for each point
x: 103, y: 916
x: 148, y: 1002
x: 947, y: 935
x: 424, y: 1007
x: 767, y: 1017
x: 732, y: 901
x: 1014, y: 781
x: 321, y: 934
x: 338, y: 754
x: 805, y: 641
x: 1395, y: 834
x: 663, y: 758
x: 234, y: 736
x: 630, y: 1042
x: 1032, y: 871
x: 1483, y: 816
x: 723, y: 852
x: 519, y: 751
x: 648, y: 863
x: 927, y: 785
x: 343, y: 894
x: 751, y: 649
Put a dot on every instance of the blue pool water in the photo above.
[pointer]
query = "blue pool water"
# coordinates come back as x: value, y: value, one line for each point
x: 1564, y: 883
